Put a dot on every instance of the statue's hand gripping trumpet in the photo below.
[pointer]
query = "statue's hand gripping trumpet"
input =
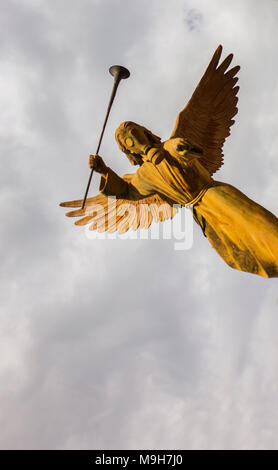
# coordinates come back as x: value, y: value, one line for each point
x: 179, y: 171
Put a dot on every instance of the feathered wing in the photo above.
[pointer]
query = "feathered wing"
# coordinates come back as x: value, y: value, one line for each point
x: 207, y: 118
x: 110, y: 214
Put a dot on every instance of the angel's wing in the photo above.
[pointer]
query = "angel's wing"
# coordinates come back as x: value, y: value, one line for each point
x: 110, y: 214
x: 207, y: 118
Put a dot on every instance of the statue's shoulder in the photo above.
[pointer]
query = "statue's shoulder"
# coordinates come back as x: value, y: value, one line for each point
x: 174, y: 146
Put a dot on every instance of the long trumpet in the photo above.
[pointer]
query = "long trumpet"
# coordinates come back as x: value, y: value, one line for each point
x: 118, y: 73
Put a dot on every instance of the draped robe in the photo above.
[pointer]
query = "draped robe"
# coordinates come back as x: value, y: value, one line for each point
x: 243, y: 233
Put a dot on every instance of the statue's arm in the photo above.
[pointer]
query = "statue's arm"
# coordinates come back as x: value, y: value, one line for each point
x: 111, y: 184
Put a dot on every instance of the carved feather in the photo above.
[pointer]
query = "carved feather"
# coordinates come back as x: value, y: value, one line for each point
x: 207, y: 117
x: 110, y: 214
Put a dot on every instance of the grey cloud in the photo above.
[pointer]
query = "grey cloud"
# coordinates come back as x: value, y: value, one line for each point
x: 127, y: 344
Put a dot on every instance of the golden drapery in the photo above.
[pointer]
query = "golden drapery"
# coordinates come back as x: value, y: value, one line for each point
x: 244, y: 233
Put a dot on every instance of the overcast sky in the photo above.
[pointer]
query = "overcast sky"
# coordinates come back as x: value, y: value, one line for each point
x: 129, y: 344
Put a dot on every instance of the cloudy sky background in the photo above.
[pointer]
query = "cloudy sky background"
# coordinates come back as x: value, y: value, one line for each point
x: 129, y: 344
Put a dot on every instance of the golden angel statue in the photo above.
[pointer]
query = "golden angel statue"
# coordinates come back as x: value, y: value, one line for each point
x: 179, y: 171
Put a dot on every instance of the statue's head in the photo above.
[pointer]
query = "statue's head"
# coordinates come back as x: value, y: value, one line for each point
x: 135, y: 141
